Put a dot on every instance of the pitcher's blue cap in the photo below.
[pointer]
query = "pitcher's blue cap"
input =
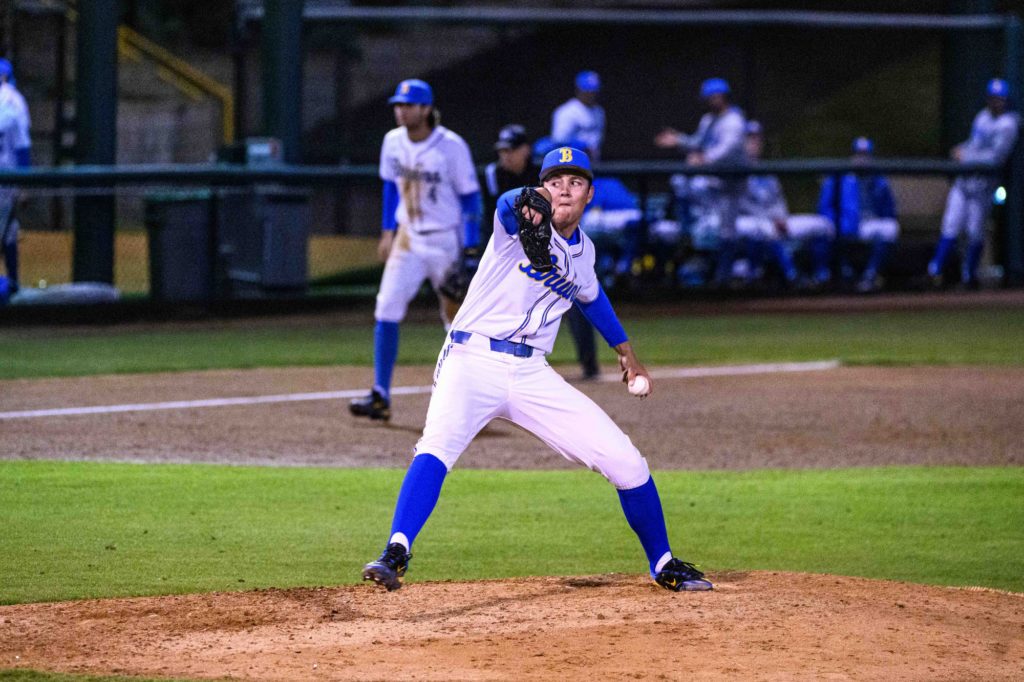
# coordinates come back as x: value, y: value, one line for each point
x: 412, y: 91
x: 714, y: 86
x: 997, y: 87
x: 566, y: 159
x: 588, y: 81
x: 863, y: 145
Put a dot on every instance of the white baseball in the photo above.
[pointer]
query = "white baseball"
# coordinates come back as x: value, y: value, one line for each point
x: 639, y: 385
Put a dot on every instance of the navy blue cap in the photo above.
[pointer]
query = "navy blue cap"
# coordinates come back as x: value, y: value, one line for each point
x: 566, y: 159
x: 997, y: 87
x: 511, y: 136
x: 588, y: 81
x: 714, y: 86
x: 412, y: 91
x: 863, y: 145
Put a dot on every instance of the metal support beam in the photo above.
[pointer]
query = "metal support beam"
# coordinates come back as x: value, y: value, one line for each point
x: 282, y: 75
x: 96, y: 136
x: 1014, y: 244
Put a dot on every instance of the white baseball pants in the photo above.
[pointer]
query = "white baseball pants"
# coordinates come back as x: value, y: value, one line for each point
x: 412, y: 260
x: 967, y: 207
x: 473, y: 385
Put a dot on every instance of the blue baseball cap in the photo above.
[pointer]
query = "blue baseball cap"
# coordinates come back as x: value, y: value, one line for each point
x: 588, y: 81
x: 997, y: 87
x: 863, y: 145
x: 412, y: 91
x: 714, y: 86
x: 754, y: 128
x: 6, y: 69
x: 566, y: 159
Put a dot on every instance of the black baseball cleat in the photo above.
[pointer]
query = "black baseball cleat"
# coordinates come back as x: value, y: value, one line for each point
x: 680, y: 576
x: 389, y: 567
x: 374, y: 406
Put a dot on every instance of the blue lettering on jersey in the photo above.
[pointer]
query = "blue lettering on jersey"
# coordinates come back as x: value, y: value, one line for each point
x: 558, y: 284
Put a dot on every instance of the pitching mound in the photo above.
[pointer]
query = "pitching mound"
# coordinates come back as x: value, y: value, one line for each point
x: 755, y: 626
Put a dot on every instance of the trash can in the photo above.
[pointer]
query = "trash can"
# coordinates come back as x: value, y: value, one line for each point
x: 262, y: 241
x: 179, y: 227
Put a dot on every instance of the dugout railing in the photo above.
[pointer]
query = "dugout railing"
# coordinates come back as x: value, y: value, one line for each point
x: 648, y: 178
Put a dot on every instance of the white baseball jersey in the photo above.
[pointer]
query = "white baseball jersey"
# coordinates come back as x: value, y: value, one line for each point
x: 719, y: 136
x: 509, y: 300
x: 992, y: 138
x: 574, y: 120
x: 430, y: 175
x: 14, y: 125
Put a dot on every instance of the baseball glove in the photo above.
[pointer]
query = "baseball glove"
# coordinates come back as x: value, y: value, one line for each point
x: 456, y: 281
x: 536, y: 239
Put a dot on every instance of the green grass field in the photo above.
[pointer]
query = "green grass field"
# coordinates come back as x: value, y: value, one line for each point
x: 74, y: 530
x: 990, y: 337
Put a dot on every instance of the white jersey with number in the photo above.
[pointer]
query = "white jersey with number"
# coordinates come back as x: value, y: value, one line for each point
x: 574, y: 120
x: 509, y: 300
x: 430, y: 174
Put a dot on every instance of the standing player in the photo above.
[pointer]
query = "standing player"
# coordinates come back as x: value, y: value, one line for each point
x: 15, y: 152
x: 494, y: 366
x: 993, y: 135
x: 719, y: 139
x: 514, y: 168
x: 581, y: 118
x: 431, y: 212
x: 862, y: 209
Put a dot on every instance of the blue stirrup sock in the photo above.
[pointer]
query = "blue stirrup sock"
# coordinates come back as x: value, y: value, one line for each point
x: 642, y: 507
x: 785, y: 260
x: 11, y: 263
x: 385, y: 354
x: 821, y: 255
x: 417, y: 497
x: 942, y: 250
x: 879, y: 250
x: 972, y: 259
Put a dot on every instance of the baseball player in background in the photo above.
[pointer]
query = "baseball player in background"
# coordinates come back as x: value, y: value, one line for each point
x: 863, y: 209
x: 765, y: 218
x: 581, y: 118
x: 719, y: 139
x: 431, y: 215
x: 15, y: 152
x: 514, y: 168
x: 493, y: 365
x: 969, y: 202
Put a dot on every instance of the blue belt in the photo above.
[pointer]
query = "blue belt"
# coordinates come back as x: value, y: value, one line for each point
x: 520, y: 350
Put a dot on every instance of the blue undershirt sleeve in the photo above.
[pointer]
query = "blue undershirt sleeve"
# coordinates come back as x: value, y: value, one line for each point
x: 471, y: 207
x: 23, y: 157
x: 602, y: 316
x: 506, y: 215
x: 388, y: 220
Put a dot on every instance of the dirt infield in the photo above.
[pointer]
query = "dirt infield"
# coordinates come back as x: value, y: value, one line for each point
x: 834, y: 418
x: 755, y: 626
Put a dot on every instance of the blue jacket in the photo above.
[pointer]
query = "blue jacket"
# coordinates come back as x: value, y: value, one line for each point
x: 878, y: 196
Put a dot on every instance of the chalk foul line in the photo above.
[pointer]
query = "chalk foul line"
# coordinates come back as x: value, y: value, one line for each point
x: 676, y: 373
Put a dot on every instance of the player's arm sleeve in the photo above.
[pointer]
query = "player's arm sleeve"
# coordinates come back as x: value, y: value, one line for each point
x: 1003, y: 140
x: 388, y: 220
x: 730, y: 138
x: 826, y: 201
x: 600, y: 313
x: 507, y: 214
x: 562, y: 124
x: 887, y: 203
x: 471, y: 206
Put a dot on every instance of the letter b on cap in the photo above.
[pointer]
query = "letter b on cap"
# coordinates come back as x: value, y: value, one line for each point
x: 566, y: 155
